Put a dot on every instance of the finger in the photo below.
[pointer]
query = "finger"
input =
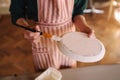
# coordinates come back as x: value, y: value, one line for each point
x: 32, y: 35
x: 36, y: 35
x: 28, y: 35
x: 37, y: 28
x: 91, y: 34
x: 36, y: 40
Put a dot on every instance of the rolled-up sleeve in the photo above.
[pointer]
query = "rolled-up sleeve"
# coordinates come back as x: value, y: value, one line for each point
x: 17, y: 10
x: 79, y: 7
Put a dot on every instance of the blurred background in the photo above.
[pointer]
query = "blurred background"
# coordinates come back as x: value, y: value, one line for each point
x: 15, y: 52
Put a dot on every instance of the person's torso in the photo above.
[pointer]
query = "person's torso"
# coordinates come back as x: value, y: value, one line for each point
x: 55, y: 11
x: 32, y: 8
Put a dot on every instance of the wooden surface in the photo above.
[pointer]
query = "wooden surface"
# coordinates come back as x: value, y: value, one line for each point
x: 15, y: 51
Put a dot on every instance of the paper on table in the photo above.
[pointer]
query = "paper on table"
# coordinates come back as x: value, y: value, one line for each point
x: 50, y: 74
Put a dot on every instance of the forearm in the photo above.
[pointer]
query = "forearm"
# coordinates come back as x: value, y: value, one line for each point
x: 82, y: 26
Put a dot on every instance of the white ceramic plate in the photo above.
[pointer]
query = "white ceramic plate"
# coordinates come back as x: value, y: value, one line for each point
x: 80, y: 47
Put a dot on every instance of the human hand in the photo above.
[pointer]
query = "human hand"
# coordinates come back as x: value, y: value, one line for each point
x: 89, y: 31
x: 92, y: 34
x: 82, y: 25
x: 22, y: 22
x: 33, y: 37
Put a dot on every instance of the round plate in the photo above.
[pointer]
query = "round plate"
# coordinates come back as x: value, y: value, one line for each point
x: 80, y: 47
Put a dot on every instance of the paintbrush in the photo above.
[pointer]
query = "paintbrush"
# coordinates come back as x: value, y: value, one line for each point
x: 54, y: 37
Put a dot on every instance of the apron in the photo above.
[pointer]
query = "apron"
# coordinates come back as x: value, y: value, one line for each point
x: 54, y: 17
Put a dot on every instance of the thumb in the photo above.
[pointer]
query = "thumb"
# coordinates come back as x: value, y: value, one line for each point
x: 92, y: 34
x: 37, y: 28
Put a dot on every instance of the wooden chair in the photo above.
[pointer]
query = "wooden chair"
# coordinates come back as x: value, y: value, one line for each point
x: 110, y: 9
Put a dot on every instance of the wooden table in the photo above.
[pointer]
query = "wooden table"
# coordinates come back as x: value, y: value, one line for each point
x: 100, y: 72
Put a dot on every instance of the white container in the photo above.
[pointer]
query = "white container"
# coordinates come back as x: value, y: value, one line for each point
x: 50, y: 74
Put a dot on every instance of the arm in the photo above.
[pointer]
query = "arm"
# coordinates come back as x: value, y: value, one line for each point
x: 17, y: 10
x: 81, y: 24
x: 79, y: 19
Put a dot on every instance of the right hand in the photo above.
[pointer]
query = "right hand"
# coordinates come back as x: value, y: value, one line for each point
x: 33, y: 37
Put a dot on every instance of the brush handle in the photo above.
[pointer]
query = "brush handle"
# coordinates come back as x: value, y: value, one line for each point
x: 29, y: 29
x: 33, y: 30
x: 53, y: 37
